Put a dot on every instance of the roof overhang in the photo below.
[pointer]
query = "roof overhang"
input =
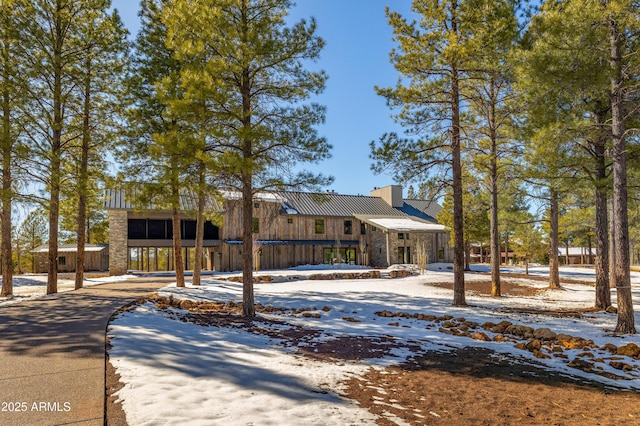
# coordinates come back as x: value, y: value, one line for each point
x: 402, y: 224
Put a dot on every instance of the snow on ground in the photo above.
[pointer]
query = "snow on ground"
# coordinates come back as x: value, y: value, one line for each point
x: 34, y: 286
x: 227, y: 375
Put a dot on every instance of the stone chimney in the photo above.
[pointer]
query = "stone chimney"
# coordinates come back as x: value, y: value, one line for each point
x: 391, y: 194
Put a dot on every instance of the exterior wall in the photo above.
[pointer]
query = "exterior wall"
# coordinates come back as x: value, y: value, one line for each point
x: 94, y: 262
x: 275, y: 226
x: 118, y: 249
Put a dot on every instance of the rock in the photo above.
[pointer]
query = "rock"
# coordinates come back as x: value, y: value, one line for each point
x: 556, y: 349
x: 501, y: 327
x: 611, y: 310
x: 540, y: 355
x: 544, y: 334
x: 488, y: 326
x: 581, y: 364
x: 631, y: 350
x: 521, y: 345
x: 621, y: 366
x: 586, y: 355
x: 480, y: 336
x: 576, y: 343
x: 609, y: 347
x: 534, y: 345
x: 519, y: 330
x: 499, y: 338
x: 186, y: 304
x: 563, y: 337
x: 327, y: 309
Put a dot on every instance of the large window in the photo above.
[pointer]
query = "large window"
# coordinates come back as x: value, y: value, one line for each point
x: 336, y: 256
x: 348, y: 227
x: 319, y: 226
x: 155, y: 229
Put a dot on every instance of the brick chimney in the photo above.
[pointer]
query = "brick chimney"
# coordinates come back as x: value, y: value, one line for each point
x: 391, y: 194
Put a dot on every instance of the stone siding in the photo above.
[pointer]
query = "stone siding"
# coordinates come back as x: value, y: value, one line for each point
x: 118, y: 250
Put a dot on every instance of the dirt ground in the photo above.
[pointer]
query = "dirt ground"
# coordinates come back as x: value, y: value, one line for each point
x: 470, y: 386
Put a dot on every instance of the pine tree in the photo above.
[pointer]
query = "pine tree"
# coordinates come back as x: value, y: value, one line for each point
x: 11, y: 95
x: 160, y: 144
x: 248, y: 68
x: 100, y: 74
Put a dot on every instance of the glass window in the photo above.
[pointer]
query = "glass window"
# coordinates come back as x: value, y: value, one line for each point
x: 137, y: 229
x: 319, y: 226
x: 62, y: 260
x: 157, y: 229
x: 256, y: 225
x: 401, y: 236
x: 290, y: 220
x: 348, y: 227
x: 363, y: 228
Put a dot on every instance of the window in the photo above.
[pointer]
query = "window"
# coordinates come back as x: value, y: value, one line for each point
x: 348, y: 227
x: 363, y: 228
x: 256, y: 225
x: 401, y: 236
x: 404, y: 256
x: 188, y: 229
x: 256, y: 205
x: 137, y: 229
x: 319, y: 226
x: 62, y: 260
x: 290, y: 220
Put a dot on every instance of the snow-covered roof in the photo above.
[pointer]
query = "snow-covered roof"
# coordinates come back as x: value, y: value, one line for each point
x: 71, y: 248
x: 403, y: 224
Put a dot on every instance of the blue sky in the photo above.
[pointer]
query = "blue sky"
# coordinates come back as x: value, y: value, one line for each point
x: 356, y: 58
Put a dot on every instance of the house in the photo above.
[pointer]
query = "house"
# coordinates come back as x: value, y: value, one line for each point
x: 96, y: 258
x: 291, y: 228
x: 577, y: 255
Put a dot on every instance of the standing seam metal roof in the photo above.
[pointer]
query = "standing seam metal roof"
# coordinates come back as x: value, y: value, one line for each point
x: 328, y: 204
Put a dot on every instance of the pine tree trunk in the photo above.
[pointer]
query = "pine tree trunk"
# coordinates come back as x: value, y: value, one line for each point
x: 554, y: 216
x: 7, y: 190
x: 83, y: 180
x: 621, y: 272
x: 248, y: 308
x: 197, y: 264
x: 248, y: 302
x: 177, y: 239
x: 493, y: 223
x: 456, y: 166
x: 603, y: 291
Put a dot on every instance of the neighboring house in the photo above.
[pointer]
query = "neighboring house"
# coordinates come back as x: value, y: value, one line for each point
x: 291, y: 229
x: 576, y: 255
x: 96, y: 258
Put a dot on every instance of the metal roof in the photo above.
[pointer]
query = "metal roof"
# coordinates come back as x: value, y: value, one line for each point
x: 118, y: 199
x: 329, y: 204
x: 337, y: 205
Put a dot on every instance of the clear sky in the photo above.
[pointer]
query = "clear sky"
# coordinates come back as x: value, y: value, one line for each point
x: 356, y: 58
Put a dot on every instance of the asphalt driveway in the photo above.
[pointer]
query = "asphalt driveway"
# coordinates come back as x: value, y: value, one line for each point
x: 52, y: 354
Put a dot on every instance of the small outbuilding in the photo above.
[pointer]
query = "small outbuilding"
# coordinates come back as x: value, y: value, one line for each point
x: 96, y: 258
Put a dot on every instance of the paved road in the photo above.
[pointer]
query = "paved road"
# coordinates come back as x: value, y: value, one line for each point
x: 52, y: 354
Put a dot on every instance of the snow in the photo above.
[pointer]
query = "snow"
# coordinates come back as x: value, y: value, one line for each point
x: 228, y: 375
x: 406, y: 224
x: 34, y: 286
